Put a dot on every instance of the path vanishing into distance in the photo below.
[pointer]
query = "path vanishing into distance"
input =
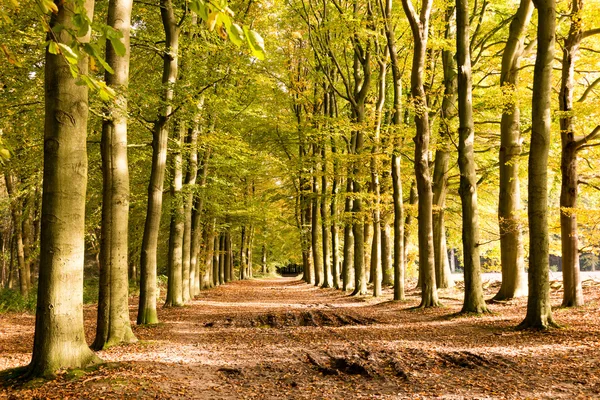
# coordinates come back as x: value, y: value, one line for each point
x: 281, y: 338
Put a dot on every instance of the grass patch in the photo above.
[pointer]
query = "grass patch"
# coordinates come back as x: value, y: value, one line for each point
x: 12, y: 301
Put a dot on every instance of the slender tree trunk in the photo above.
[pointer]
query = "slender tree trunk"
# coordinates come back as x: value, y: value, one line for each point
x: 335, y: 235
x: 197, y: 221
x: 443, y: 275
x: 59, y: 333
x: 317, y: 258
x: 399, y: 232
x: 440, y: 176
x: 263, y: 260
x: 209, y: 248
x: 227, y: 262
x: 474, y: 302
x: 413, y: 200
x: 399, y: 264
x: 539, y: 310
x: 573, y: 293
x: 177, y: 278
x: 347, y: 262
x: 190, y: 183
x: 243, y: 261
x: 16, y: 213
x: 420, y: 29
x: 147, y: 307
x: 222, y: 257
x: 325, y: 222
x: 509, y: 202
x: 113, y: 324
x: 215, y: 261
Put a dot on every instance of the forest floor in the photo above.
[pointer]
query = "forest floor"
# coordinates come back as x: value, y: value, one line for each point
x: 283, y: 339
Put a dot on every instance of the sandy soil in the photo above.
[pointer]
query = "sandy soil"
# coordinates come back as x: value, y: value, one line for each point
x: 280, y: 338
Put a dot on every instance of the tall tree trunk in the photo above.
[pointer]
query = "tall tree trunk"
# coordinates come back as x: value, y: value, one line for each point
x: 113, y: 324
x: 348, y: 254
x: 399, y: 232
x: 420, y: 29
x: 474, y: 302
x: 197, y: 221
x: 399, y: 263
x: 413, y: 200
x: 376, y: 265
x: 243, y: 260
x: 147, y: 307
x: 222, y: 257
x: 16, y: 207
x: 335, y: 235
x: 443, y: 275
x: 539, y: 310
x: 59, y: 333
x: 325, y: 222
x: 190, y: 183
x: 216, y: 259
x: 209, y: 248
x: 317, y: 257
x: 176, y: 285
x: 263, y: 260
x: 509, y: 202
x: 573, y: 293
x: 227, y: 262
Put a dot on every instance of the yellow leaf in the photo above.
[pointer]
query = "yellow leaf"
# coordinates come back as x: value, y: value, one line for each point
x: 212, y: 20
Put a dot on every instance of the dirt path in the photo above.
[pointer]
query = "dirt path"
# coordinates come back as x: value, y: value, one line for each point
x: 281, y: 338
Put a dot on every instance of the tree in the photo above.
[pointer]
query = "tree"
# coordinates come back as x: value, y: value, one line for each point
x: 509, y: 202
x: 539, y: 310
x: 59, y: 333
x: 474, y: 301
x: 419, y: 24
x: 571, y: 144
x: 113, y: 325
x: 147, y: 306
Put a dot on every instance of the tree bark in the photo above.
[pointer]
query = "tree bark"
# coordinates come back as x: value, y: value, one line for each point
x: 573, y: 293
x: 16, y: 207
x: 113, y: 324
x: 473, y: 302
x: 443, y: 276
x: 348, y: 257
x: 325, y: 222
x: 147, y: 307
x: 420, y: 29
x: 59, y: 340
x: 539, y: 309
x: 509, y: 203
x: 317, y: 257
x: 188, y: 194
x: 177, y: 277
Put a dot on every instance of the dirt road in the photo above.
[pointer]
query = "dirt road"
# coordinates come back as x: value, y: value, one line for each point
x: 280, y: 338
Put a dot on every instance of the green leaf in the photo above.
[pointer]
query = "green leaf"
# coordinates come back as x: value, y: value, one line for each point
x: 94, y: 51
x: 69, y: 54
x: 118, y: 46
x: 224, y: 19
x: 256, y: 43
x: 236, y: 34
x: 199, y: 7
x: 53, y: 47
x: 82, y: 24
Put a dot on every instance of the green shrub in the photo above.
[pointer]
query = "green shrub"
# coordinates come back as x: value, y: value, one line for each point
x: 12, y: 301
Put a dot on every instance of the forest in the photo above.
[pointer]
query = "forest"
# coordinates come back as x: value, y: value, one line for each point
x: 299, y: 199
